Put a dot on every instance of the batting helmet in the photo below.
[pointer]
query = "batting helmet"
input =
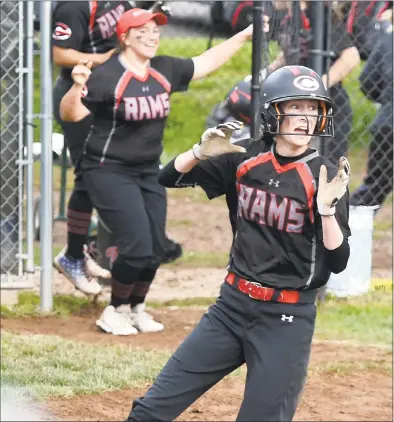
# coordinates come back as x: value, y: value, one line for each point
x: 295, y: 83
x: 238, y: 102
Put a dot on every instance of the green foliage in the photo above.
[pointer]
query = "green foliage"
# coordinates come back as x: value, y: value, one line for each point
x: 190, y: 109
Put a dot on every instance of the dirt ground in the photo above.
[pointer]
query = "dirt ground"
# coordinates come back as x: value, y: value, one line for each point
x: 330, y: 395
x: 202, y: 226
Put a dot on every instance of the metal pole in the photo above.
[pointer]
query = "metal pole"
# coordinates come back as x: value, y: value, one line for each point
x: 29, y: 136
x: 296, y: 11
x: 46, y: 213
x: 256, y: 67
x: 317, y: 36
x: 20, y: 138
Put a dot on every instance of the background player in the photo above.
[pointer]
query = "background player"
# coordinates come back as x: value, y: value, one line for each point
x: 121, y: 161
x: 83, y: 30
x: 292, y: 230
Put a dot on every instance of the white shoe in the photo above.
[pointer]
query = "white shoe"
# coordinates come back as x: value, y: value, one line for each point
x: 113, y: 322
x: 143, y: 321
x: 74, y: 271
x: 93, y: 269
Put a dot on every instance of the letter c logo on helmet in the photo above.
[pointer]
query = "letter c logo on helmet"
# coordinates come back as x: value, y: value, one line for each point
x: 306, y: 83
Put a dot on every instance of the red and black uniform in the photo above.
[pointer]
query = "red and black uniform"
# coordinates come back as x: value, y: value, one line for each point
x: 120, y: 163
x: 339, y: 41
x: 265, y: 313
x: 87, y: 27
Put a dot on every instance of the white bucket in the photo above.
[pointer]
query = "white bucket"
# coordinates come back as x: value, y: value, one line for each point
x: 356, y: 278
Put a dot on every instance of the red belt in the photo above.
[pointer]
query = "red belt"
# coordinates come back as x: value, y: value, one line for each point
x: 266, y: 294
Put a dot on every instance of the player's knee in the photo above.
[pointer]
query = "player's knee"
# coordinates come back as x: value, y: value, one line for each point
x: 127, y: 270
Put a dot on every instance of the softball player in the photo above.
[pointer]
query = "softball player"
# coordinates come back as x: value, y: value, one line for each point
x: 291, y: 232
x: 82, y: 30
x: 345, y: 59
x: 129, y: 98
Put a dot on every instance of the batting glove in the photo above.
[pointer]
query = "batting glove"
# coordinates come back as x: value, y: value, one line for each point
x: 216, y: 141
x: 330, y: 193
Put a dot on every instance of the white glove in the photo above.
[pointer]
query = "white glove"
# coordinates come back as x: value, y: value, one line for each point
x: 330, y: 193
x: 216, y: 141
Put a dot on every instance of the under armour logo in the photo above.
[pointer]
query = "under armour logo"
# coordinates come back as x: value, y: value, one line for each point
x: 145, y: 88
x: 287, y: 318
x: 274, y: 182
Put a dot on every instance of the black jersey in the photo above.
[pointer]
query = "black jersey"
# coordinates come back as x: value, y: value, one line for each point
x: 279, y: 239
x: 86, y: 26
x: 130, y: 112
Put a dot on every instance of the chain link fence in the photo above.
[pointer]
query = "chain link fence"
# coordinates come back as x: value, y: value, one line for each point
x: 193, y: 27
x: 16, y: 168
x: 11, y: 115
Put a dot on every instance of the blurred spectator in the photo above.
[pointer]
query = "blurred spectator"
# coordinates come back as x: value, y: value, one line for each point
x: 376, y: 82
x: 345, y: 58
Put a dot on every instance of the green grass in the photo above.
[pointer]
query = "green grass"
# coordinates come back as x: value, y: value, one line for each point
x: 63, y: 305
x: 366, y: 320
x: 345, y: 367
x: 51, y: 367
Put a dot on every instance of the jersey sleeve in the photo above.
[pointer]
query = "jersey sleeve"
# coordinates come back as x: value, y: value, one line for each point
x: 70, y: 24
x: 182, y: 73
x: 216, y: 176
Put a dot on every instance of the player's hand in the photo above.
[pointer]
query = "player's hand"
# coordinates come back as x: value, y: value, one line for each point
x: 82, y: 72
x: 216, y: 141
x: 330, y: 193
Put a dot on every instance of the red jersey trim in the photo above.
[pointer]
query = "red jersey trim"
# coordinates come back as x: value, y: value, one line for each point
x: 160, y: 78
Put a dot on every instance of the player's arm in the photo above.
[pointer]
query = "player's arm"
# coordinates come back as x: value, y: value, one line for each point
x: 215, y: 57
x: 328, y: 196
x: 71, y: 107
x: 68, y: 57
x: 346, y: 62
x: 206, y: 163
x: 71, y: 21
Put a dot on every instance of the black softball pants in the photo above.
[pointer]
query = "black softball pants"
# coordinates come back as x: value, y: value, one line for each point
x: 133, y: 207
x: 273, y: 339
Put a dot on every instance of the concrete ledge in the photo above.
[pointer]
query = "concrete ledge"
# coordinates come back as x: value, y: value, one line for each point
x: 10, y: 289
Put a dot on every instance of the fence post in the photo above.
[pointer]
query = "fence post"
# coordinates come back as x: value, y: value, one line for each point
x: 317, y: 36
x: 46, y: 203
x: 29, y: 137
x: 256, y: 67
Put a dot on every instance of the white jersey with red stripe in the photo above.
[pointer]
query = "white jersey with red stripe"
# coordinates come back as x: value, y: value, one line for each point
x: 130, y: 111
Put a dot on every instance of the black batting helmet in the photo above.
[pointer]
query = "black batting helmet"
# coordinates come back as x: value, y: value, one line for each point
x: 295, y: 83
x: 238, y: 102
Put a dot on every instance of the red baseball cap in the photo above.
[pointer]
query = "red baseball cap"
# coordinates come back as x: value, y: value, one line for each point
x: 138, y: 17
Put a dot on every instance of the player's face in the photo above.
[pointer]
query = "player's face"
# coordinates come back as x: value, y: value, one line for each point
x: 299, y: 123
x: 144, y: 40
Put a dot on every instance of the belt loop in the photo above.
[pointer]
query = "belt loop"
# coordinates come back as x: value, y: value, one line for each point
x: 276, y: 295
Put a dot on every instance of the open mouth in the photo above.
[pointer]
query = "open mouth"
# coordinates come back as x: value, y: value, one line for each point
x: 301, y: 130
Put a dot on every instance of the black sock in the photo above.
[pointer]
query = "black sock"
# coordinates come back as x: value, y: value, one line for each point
x: 79, y: 214
x: 123, y: 282
x: 142, y: 286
